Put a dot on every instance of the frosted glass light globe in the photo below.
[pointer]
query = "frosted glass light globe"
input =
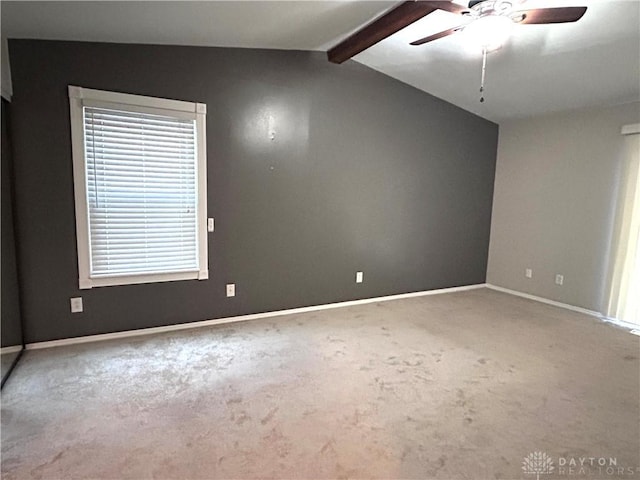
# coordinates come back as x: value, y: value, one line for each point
x: 488, y: 32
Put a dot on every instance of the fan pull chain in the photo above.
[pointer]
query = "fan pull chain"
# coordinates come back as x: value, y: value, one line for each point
x: 484, y: 68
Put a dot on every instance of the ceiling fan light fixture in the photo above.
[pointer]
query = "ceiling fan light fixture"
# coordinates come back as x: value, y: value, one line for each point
x: 489, y: 32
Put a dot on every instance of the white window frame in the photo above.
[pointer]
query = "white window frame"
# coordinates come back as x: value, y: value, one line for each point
x: 78, y: 98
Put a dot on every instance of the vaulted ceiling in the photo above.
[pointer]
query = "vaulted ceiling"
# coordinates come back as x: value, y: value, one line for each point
x: 542, y: 68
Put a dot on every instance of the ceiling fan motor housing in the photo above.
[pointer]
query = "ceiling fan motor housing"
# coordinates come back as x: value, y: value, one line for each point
x: 481, y: 8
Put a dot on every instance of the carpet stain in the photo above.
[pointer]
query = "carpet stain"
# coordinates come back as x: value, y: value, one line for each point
x: 409, y: 363
x: 328, y: 447
x: 334, y: 339
x: 240, y: 418
x: 269, y: 416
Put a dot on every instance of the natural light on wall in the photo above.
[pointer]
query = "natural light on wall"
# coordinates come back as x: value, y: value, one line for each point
x: 624, y: 299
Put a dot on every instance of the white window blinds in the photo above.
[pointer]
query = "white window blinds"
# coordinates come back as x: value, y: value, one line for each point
x: 142, y: 198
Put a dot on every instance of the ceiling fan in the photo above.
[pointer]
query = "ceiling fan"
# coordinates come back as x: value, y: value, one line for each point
x: 491, y: 19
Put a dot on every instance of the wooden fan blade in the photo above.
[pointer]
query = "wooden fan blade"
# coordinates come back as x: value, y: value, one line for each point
x: 389, y: 23
x: 549, y: 15
x: 448, y: 6
x: 436, y: 36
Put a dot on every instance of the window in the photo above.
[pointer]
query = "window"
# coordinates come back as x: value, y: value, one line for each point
x: 624, y: 301
x: 139, y: 166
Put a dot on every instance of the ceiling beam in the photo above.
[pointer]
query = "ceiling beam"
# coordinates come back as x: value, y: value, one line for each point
x: 384, y: 26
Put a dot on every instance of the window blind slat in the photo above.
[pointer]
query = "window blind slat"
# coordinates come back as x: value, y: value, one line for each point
x: 141, y: 257
x: 177, y: 247
x: 176, y: 160
x: 136, y: 127
x: 179, y: 160
x: 133, y: 270
x: 142, y: 192
x: 152, y: 183
x: 126, y: 222
x: 104, y: 140
x: 137, y: 122
x: 128, y: 171
x: 140, y: 235
x: 127, y: 203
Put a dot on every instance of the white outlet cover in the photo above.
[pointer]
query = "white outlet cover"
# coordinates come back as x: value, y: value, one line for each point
x: 559, y: 279
x: 231, y: 289
x: 76, y: 304
x: 528, y: 273
x: 210, y: 224
x: 359, y: 277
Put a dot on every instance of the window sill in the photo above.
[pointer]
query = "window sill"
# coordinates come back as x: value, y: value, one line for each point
x: 87, y: 283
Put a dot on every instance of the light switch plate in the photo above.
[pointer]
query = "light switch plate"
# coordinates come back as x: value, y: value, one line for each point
x: 231, y: 289
x: 210, y: 225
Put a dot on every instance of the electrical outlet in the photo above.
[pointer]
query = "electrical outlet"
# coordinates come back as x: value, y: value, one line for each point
x: 231, y: 289
x: 76, y: 304
x: 210, y: 225
x: 528, y: 273
x: 559, y: 279
x: 358, y: 277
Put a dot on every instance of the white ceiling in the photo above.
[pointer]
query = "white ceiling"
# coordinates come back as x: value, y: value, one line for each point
x: 543, y: 68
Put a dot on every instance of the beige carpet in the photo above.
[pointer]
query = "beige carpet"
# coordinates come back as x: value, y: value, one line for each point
x: 461, y: 385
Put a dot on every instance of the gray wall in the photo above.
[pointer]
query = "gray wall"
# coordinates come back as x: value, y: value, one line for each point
x: 11, y: 332
x: 365, y: 173
x: 557, y: 181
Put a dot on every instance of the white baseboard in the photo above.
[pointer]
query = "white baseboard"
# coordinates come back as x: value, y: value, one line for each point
x: 11, y: 349
x: 241, y: 318
x: 621, y: 323
x: 546, y: 300
x: 593, y: 313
